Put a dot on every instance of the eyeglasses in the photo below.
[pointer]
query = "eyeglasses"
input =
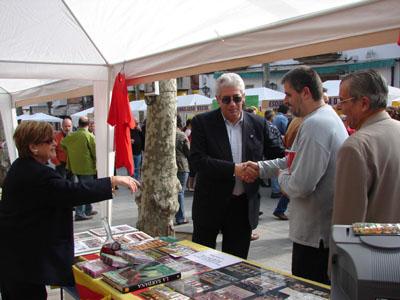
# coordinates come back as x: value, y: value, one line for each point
x: 234, y: 98
x: 345, y: 100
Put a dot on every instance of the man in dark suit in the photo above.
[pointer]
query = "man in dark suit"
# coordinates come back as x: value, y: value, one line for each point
x: 221, y: 140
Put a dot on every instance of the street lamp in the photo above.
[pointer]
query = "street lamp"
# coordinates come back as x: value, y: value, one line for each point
x: 206, y: 90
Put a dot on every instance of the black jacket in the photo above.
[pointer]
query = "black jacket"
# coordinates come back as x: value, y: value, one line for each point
x: 36, y: 222
x: 211, y: 160
x: 138, y: 144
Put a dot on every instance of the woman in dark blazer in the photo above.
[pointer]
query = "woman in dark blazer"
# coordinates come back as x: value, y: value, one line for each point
x: 36, y: 232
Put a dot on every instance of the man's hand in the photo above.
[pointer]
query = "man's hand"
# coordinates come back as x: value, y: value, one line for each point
x: 247, y: 171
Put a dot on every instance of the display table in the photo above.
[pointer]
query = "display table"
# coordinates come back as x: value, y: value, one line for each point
x: 91, y: 288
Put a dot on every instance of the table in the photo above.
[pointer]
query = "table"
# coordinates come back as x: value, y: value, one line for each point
x: 96, y: 289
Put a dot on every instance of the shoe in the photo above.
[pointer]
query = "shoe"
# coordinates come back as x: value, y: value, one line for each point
x: 263, y: 184
x: 281, y: 216
x: 276, y: 195
x: 83, y: 218
x: 183, y: 222
x: 254, y: 236
x: 92, y: 213
x: 260, y: 213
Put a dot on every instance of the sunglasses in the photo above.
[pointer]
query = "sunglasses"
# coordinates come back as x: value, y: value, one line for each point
x: 48, y: 141
x: 234, y: 98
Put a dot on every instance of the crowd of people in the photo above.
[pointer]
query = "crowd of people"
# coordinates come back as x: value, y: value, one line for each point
x: 330, y: 178
x: 331, y: 169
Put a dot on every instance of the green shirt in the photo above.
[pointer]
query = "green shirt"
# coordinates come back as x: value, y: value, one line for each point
x: 81, y: 149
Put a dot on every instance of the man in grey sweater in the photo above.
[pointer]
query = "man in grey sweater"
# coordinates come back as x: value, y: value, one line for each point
x: 309, y: 180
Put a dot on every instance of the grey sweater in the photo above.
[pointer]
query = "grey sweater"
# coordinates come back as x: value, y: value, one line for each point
x: 310, y: 185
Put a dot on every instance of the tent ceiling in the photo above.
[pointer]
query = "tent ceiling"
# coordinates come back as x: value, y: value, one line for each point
x: 107, y: 32
x: 16, y: 85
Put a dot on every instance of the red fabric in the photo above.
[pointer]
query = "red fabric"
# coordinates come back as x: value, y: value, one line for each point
x: 85, y: 293
x: 120, y: 116
x: 91, y: 256
x: 61, y: 156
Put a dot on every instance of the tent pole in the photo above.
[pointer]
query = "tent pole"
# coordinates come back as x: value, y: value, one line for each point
x: 104, y: 138
x: 9, y: 118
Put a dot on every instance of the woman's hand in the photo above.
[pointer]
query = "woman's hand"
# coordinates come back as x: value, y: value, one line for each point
x: 126, y: 181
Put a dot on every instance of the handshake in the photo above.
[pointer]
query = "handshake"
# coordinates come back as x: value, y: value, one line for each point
x: 247, y: 171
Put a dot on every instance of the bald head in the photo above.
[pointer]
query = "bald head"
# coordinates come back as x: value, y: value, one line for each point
x: 83, y: 122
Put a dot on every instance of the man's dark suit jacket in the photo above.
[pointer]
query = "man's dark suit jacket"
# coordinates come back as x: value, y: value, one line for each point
x: 211, y: 160
x: 36, y: 230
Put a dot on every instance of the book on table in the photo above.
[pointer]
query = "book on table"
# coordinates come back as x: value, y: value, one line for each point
x: 160, y: 293
x: 140, y: 276
x: 94, y: 268
x: 85, y: 244
x: 118, y: 229
x: 176, y: 250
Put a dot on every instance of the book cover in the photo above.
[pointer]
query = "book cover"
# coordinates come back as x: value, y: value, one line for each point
x: 262, y: 284
x: 93, y: 243
x: 89, y: 245
x: 138, y: 236
x: 230, y: 292
x: 147, y: 245
x: 118, y: 229
x: 161, y: 293
x: 242, y: 270
x: 154, y: 253
x: 138, y: 277
x: 135, y: 257
x: 114, y: 261
x: 80, y: 248
x: 94, y: 268
x: 303, y: 289
x: 124, y: 228
x: 272, y: 285
x: 213, y: 259
x: 122, y: 239
x: 190, y: 287
x: 217, y: 278
x: 101, y: 231
x: 83, y: 235
x: 183, y: 265
x: 176, y: 250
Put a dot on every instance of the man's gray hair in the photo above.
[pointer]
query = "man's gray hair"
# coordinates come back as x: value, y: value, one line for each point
x: 229, y: 80
x: 370, y: 84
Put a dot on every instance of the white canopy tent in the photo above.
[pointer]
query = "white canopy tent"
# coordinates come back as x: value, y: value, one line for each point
x: 82, y: 45
x: 40, y: 117
x: 75, y: 117
x: 332, y: 87
x: 192, y: 100
x: 264, y: 93
x: 138, y: 105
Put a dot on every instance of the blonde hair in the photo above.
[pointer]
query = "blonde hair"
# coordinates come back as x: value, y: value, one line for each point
x: 31, y: 132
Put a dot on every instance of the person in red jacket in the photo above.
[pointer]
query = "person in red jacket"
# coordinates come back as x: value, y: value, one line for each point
x: 60, y: 160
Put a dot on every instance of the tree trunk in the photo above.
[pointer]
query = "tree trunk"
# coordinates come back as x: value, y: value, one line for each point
x: 158, y: 200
